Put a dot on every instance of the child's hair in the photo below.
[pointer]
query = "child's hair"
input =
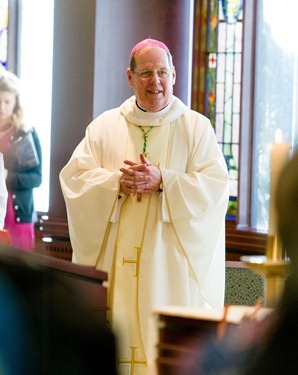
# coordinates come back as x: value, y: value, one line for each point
x: 10, y: 82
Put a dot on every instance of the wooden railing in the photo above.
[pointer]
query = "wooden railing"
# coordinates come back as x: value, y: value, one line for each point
x: 52, y: 238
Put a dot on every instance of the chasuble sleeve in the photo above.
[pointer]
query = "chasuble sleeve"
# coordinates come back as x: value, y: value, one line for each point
x: 196, y: 200
x: 91, y: 195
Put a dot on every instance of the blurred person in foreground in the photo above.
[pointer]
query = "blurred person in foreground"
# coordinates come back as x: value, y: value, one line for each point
x: 146, y: 193
x: 22, y: 162
x: 46, y: 326
x: 280, y: 352
x: 267, y: 346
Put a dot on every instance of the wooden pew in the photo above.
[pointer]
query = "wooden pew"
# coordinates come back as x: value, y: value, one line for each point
x: 87, y: 282
x: 53, y: 316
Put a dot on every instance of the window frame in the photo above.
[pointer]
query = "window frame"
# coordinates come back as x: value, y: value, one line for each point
x: 12, y: 42
x: 241, y: 238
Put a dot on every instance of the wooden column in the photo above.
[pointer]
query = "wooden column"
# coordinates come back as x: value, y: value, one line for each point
x: 119, y: 28
x: 73, y: 79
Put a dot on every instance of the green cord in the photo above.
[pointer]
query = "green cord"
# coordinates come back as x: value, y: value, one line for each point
x: 146, y: 134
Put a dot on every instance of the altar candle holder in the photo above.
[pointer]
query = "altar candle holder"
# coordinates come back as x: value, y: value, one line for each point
x: 275, y: 267
x: 279, y: 156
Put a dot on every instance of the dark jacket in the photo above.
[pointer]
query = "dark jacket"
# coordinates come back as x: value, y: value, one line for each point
x: 21, y: 180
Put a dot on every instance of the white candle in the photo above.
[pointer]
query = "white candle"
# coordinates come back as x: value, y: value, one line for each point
x: 280, y: 153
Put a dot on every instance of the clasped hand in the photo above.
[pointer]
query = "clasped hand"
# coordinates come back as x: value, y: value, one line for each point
x: 142, y: 177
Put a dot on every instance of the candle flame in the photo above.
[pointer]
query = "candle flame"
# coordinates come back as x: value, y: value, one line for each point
x: 278, y: 136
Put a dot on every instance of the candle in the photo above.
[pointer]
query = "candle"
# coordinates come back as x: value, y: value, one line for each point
x: 280, y: 153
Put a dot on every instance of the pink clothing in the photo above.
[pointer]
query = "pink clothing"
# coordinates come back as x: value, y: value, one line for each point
x: 22, y: 235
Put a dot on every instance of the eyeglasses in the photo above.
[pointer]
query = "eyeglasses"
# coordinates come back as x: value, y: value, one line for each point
x: 162, y: 73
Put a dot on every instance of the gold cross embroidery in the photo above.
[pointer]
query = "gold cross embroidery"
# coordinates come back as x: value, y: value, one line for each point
x: 134, y: 261
x: 132, y: 361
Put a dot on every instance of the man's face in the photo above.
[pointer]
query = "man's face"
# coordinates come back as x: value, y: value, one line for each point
x: 153, y: 79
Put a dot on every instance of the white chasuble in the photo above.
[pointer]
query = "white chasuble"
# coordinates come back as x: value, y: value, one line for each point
x: 167, y: 249
x: 131, y: 251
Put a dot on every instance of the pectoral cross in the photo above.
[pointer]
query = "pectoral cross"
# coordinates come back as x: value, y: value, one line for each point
x: 132, y: 361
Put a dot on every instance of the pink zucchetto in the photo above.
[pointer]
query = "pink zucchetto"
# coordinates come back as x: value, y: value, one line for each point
x: 148, y: 42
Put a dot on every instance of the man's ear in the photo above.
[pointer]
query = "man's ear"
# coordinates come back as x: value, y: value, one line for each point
x: 129, y: 76
x: 174, y: 75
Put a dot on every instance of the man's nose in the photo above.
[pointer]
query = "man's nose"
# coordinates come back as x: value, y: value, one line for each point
x: 155, y: 77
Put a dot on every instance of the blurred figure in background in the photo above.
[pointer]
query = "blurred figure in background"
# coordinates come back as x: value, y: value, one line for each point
x: 22, y: 162
x: 3, y: 193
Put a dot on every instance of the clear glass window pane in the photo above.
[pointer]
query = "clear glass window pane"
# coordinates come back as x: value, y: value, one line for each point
x: 221, y: 67
x: 236, y: 131
x: 221, y: 46
x: 238, y: 37
x: 36, y: 50
x: 275, y: 94
x: 219, y: 127
x: 236, y: 98
x: 237, y: 68
x: 220, y: 96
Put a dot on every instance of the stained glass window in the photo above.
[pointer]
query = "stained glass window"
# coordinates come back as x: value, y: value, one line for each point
x: 223, y: 82
x: 3, y: 31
